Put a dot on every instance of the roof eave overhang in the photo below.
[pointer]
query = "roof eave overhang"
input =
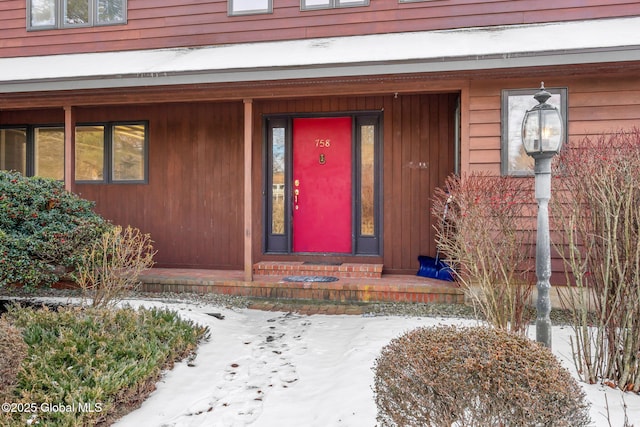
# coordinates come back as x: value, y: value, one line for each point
x: 465, y: 50
x: 521, y: 60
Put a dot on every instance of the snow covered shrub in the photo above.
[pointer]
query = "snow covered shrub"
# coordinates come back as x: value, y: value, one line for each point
x: 43, y: 229
x: 13, y: 350
x: 475, y: 376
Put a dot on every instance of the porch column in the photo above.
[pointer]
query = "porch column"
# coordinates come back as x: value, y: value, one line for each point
x: 69, y: 147
x: 465, y: 124
x: 248, y: 190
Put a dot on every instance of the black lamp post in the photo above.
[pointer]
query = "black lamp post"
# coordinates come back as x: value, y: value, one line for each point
x: 542, y: 137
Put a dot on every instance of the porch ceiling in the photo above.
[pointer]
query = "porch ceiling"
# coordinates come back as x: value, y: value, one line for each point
x: 566, y: 43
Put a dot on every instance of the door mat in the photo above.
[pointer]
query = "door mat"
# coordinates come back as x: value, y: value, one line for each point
x: 310, y: 279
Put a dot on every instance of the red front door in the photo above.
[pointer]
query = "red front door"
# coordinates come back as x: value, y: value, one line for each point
x: 322, y: 185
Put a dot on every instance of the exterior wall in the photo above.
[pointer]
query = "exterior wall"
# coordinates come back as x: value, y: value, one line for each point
x: 192, y: 203
x: 175, y: 23
x: 597, y: 104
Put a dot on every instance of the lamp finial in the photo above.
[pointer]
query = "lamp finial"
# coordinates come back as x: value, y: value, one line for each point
x: 542, y: 95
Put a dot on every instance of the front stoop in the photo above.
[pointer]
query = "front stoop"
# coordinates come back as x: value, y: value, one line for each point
x: 386, y: 288
x: 292, y: 268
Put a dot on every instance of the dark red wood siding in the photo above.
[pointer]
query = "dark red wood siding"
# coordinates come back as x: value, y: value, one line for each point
x: 192, y: 204
x: 175, y: 23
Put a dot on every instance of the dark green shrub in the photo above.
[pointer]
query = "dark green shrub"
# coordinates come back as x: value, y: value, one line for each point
x: 474, y: 377
x: 43, y: 229
x: 107, y: 359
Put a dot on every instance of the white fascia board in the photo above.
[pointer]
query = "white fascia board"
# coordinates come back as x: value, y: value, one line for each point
x: 580, y: 42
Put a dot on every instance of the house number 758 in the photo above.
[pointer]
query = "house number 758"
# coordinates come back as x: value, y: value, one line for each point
x: 322, y: 143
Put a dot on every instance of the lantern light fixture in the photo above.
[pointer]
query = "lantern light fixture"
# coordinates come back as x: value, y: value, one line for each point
x: 542, y: 130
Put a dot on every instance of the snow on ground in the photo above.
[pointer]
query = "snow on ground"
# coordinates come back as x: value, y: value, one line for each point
x: 274, y: 369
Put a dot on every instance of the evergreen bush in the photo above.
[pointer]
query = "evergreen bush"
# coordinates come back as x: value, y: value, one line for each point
x: 106, y: 360
x: 43, y: 230
x: 477, y: 377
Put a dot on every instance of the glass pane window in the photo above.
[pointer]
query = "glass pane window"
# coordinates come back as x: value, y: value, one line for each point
x: 316, y: 4
x: 348, y: 3
x: 128, y: 153
x: 46, y: 14
x: 277, y: 181
x: 43, y: 13
x: 13, y: 150
x: 90, y: 153
x: 327, y: 4
x: 243, y: 7
x: 367, y: 180
x: 48, y: 149
x: 515, y: 104
x: 76, y: 12
x: 111, y: 11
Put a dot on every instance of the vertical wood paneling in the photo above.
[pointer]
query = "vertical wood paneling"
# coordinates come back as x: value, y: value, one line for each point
x: 421, y: 150
x: 416, y: 129
x: 190, y: 205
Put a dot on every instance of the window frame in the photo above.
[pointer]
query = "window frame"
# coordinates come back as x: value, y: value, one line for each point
x: 30, y: 153
x: 59, y: 16
x: 333, y: 4
x: 232, y: 12
x: 108, y: 155
x: 27, y: 149
x: 510, y: 128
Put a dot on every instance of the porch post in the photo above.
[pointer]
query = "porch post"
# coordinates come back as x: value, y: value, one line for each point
x: 248, y: 220
x: 69, y: 147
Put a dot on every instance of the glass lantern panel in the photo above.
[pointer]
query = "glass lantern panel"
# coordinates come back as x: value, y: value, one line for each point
x: 551, y: 130
x: 530, y: 129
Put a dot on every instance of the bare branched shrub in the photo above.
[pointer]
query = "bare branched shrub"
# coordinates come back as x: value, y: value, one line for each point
x: 486, y: 238
x: 480, y: 377
x: 109, y: 270
x: 13, y: 350
x: 600, y: 245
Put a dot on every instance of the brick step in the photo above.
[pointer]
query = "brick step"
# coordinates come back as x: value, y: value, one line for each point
x: 295, y: 268
x: 404, y: 288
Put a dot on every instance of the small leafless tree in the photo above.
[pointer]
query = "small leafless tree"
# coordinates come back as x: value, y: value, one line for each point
x: 484, y: 231
x: 599, y: 220
x: 111, y: 267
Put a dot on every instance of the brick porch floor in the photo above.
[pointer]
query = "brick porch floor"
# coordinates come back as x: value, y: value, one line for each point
x: 403, y: 288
